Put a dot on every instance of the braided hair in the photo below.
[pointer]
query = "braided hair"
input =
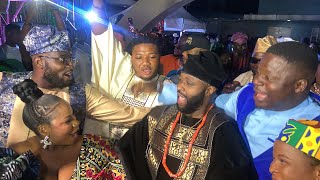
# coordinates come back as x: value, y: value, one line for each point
x: 39, y: 106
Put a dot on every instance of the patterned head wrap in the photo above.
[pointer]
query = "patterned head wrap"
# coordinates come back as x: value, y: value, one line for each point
x: 239, y: 38
x: 303, y: 135
x: 263, y: 44
x: 42, y: 39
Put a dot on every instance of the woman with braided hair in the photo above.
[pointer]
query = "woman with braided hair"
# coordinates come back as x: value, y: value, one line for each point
x: 61, y: 151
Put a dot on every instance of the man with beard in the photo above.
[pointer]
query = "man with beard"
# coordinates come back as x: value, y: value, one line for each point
x: 52, y: 71
x: 131, y: 77
x: 280, y: 91
x: 192, y: 139
x: 120, y: 73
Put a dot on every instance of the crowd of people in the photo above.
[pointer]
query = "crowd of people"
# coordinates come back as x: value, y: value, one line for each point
x: 209, y: 110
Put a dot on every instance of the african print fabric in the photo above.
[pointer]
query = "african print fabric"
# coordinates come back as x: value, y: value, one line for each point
x: 98, y: 160
x: 14, y: 166
x: 302, y: 135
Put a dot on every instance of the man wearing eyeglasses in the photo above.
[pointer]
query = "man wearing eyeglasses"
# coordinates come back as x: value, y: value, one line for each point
x: 52, y: 71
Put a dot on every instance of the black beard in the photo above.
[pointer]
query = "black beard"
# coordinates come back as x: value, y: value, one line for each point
x: 54, y: 79
x: 193, y: 103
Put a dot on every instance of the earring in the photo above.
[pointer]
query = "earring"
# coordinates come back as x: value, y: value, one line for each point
x: 46, y: 142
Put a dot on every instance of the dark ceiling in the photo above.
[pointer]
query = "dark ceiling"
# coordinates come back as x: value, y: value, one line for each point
x: 206, y: 9
x: 222, y: 8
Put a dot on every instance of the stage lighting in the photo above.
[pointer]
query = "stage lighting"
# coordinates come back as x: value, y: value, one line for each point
x: 91, y: 16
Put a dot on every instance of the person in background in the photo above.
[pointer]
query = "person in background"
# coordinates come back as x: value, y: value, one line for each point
x: 10, y: 49
x: 314, y: 45
x: 172, y: 62
x: 188, y: 45
x: 315, y: 88
x: 243, y: 79
x: 13, y: 51
x: 239, y: 54
x: 296, y: 152
x: 280, y: 91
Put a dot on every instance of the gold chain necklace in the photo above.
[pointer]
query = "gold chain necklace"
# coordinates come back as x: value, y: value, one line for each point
x: 316, y: 89
x: 188, y: 129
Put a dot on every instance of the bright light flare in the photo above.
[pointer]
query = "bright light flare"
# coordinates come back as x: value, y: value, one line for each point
x: 91, y: 16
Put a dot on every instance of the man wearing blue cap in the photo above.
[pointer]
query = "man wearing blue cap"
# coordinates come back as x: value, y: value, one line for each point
x: 52, y: 71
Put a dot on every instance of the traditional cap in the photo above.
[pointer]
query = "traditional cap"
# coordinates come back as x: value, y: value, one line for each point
x: 207, y: 67
x: 263, y: 44
x: 42, y: 39
x: 195, y: 41
x: 239, y: 37
x: 303, y: 135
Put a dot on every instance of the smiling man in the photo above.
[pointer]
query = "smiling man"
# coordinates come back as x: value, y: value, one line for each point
x: 192, y: 139
x: 124, y: 75
x: 128, y: 76
x: 52, y: 71
x: 280, y: 91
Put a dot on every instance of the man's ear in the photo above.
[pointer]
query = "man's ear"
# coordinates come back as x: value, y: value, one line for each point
x: 301, y: 85
x: 210, y: 90
x: 38, y: 62
x: 44, y: 130
x: 317, y: 172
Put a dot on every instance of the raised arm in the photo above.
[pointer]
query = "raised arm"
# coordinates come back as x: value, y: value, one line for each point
x: 111, y: 66
x: 58, y: 19
x: 104, y: 108
x: 27, y: 25
x: 99, y: 8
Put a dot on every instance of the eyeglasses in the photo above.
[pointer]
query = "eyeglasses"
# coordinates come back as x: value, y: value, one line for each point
x: 64, y: 60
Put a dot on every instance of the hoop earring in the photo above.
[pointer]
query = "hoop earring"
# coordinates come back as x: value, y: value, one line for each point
x: 46, y: 142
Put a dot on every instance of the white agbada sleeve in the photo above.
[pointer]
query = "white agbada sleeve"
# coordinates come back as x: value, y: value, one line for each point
x: 111, y: 66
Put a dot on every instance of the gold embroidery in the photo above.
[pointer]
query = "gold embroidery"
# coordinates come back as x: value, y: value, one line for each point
x: 153, y: 162
x: 179, y: 151
x: 201, y: 151
x: 143, y: 99
x: 152, y: 122
x: 188, y: 173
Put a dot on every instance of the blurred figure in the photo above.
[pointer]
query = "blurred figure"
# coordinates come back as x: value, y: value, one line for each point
x: 239, y: 54
x: 315, y: 88
x: 243, y: 79
x: 81, y: 51
x: 10, y: 49
x: 13, y: 53
x: 188, y: 45
x: 171, y: 61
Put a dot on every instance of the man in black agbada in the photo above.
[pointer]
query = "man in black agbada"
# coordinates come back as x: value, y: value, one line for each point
x: 157, y: 147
